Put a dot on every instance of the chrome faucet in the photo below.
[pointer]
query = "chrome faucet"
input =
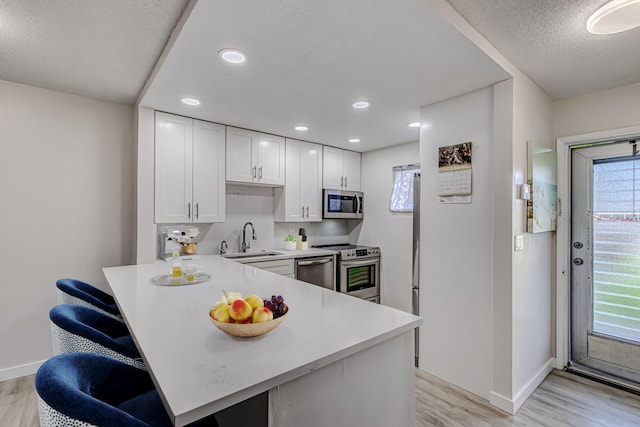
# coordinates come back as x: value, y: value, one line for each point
x: 246, y: 245
x: 223, y: 247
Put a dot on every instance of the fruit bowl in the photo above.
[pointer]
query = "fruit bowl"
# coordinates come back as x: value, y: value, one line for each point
x: 246, y: 330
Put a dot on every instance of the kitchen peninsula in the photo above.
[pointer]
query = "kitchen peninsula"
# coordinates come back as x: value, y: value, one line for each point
x: 335, y: 360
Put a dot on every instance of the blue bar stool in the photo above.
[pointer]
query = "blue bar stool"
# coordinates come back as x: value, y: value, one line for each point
x: 75, y: 328
x: 72, y: 291
x: 84, y: 389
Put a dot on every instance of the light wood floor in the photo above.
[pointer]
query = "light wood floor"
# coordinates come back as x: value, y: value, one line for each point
x: 563, y: 399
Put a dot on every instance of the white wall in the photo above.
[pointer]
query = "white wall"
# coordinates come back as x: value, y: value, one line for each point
x: 456, y: 258
x: 392, y: 231
x: 598, y: 111
x: 533, y: 268
x: 66, y: 180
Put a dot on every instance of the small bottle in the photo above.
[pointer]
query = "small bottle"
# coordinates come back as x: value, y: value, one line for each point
x: 176, y: 265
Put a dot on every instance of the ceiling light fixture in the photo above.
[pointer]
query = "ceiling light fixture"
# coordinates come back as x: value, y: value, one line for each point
x: 354, y: 140
x: 190, y: 101
x: 233, y: 56
x: 414, y: 125
x: 359, y: 105
x: 614, y: 17
x: 301, y: 128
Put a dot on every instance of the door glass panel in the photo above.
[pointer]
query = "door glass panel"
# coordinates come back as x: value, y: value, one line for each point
x: 616, y: 248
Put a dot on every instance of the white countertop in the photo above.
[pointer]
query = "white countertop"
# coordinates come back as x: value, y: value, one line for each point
x: 200, y: 370
x: 282, y: 254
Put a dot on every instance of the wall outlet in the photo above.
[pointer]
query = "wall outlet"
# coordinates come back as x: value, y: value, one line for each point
x: 292, y: 228
x: 518, y: 244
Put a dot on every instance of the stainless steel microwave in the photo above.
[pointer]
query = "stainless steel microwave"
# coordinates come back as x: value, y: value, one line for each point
x: 342, y: 204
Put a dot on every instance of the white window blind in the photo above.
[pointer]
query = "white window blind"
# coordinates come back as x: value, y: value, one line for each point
x: 402, y: 192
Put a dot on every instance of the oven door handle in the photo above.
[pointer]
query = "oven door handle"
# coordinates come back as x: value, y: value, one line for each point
x: 359, y: 263
x: 315, y: 262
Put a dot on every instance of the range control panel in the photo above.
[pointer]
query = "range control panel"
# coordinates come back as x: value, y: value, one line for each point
x: 360, y: 252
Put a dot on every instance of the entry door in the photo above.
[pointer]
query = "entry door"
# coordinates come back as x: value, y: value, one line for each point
x: 605, y: 254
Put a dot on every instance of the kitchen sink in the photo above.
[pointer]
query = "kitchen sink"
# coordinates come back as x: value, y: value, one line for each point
x: 242, y: 255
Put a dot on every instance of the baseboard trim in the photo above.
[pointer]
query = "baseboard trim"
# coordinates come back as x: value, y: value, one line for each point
x: 19, y: 371
x: 511, y: 406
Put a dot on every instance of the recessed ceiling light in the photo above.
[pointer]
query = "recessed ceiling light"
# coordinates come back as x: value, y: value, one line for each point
x: 614, y: 17
x: 233, y: 56
x: 414, y: 125
x: 359, y: 105
x: 301, y: 128
x: 190, y: 101
x: 354, y: 140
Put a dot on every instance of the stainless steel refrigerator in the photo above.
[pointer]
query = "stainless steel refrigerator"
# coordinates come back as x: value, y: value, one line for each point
x: 415, y: 280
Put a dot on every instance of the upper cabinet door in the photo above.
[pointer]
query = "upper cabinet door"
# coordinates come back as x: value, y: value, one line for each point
x: 341, y: 170
x: 241, y: 155
x: 173, y: 160
x: 351, y: 172
x: 292, y: 197
x: 208, y: 172
x: 271, y: 159
x: 311, y: 181
x: 332, y: 176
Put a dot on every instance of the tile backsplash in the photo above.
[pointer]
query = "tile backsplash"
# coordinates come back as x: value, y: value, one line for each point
x: 254, y: 204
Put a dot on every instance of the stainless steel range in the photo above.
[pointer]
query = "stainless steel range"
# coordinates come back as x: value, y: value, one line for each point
x: 358, y: 270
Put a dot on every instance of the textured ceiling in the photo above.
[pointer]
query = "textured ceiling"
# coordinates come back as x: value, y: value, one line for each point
x: 308, y: 60
x: 548, y: 41
x: 101, y: 49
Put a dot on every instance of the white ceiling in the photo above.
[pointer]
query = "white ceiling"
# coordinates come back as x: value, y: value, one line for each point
x: 549, y: 42
x: 307, y: 59
x: 100, y: 49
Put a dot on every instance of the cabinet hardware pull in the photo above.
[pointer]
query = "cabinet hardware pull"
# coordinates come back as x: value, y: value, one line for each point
x: 315, y: 262
x: 260, y: 173
x: 342, y: 181
x: 303, y: 212
x: 307, y: 211
x: 189, y: 210
x: 197, y: 210
x: 345, y: 181
x: 253, y: 172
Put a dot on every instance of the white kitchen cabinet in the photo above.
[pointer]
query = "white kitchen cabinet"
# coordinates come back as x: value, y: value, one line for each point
x: 300, y: 200
x: 341, y: 169
x: 189, y: 170
x: 284, y: 267
x: 255, y: 158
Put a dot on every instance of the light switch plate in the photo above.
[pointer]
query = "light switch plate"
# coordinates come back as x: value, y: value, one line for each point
x: 518, y: 244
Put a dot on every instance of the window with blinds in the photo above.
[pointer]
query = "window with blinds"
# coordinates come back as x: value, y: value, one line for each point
x: 402, y: 192
x: 616, y: 248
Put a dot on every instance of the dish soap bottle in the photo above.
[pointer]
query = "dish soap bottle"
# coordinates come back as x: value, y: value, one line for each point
x: 176, y: 265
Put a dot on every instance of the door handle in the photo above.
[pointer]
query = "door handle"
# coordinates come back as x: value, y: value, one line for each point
x: 303, y: 212
x: 316, y: 262
x: 307, y: 211
x: 253, y: 171
x: 260, y: 172
x: 197, y: 210
x: 189, y: 210
x: 342, y: 181
x: 345, y: 182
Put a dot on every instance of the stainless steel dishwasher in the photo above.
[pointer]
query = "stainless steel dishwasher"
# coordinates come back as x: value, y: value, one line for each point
x: 318, y: 270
